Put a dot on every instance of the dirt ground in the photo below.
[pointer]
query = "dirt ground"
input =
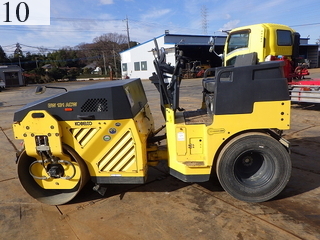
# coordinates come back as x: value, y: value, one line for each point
x: 164, y: 207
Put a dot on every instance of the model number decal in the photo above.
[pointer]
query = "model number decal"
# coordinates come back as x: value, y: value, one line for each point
x: 62, y: 104
x: 83, y: 123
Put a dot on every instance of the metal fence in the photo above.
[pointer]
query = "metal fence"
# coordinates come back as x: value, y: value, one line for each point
x: 305, y: 93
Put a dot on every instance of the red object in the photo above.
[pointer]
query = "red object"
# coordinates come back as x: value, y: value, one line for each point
x: 288, y: 69
x: 200, y: 73
x: 289, y: 72
x: 300, y: 72
x: 303, y: 82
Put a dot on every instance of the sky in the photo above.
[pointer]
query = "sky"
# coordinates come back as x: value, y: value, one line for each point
x: 73, y: 22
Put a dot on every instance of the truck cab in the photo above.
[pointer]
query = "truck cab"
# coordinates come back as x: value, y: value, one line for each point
x: 265, y: 39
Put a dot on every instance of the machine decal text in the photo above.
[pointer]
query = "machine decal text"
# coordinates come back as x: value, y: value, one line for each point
x: 83, y: 123
x: 62, y: 104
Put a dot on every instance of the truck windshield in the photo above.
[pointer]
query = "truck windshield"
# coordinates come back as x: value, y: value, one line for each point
x: 238, y: 40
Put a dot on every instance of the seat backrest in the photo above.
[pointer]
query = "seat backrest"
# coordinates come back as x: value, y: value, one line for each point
x: 246, y: 59
x: 247, y: 85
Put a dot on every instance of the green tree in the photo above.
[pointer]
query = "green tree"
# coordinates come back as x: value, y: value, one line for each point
x: 104, y: 50
x: 56, y: 73
x: 36, y: 75
x: 65, y: 57
x: 3, y: 56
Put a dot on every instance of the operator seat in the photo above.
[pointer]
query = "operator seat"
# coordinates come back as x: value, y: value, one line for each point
x: 209, y: 84
x: 241, y: 60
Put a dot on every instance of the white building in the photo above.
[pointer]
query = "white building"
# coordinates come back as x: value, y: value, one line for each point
x: 137, y: 62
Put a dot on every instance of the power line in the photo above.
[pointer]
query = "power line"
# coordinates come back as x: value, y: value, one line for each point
x: 39, y: 48
x: 11, y: 45
x: 150, y: 24
x: 57, y: 49
x: 83, y: 19
x: 135, y: 23
x: 55, y: 61
x: 306, y: 24
x: 45, y: 29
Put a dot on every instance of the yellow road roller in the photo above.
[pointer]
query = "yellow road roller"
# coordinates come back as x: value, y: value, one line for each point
x: 105, y: 133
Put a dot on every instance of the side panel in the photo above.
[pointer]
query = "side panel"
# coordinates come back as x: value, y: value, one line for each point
x: 39, y: 123
x: 203, y: 141
x: 113, y: 150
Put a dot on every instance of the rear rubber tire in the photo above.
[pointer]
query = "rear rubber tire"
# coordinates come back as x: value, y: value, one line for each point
x: 253, y: 167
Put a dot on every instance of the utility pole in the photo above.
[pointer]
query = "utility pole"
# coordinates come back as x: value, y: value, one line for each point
x: 19, y: 61
x: 104, y: 64
x: 115, y: 62
x: 127, y: 23
x: 18, y: 52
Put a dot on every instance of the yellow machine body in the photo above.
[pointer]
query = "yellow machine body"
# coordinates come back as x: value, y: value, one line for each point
x: 115, y: 149
x: 107, y: 134
x: 194, y: 147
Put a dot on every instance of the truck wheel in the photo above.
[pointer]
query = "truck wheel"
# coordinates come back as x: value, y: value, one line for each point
x: 253, y: 167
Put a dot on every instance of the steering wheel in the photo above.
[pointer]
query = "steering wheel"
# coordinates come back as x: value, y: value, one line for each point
x: 162, y: 57
x: 170, y: 91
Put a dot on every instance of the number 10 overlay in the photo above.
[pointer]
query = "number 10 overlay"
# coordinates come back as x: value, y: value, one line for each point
x: 24, y: 12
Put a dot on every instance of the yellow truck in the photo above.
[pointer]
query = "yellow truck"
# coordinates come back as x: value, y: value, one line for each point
x: 266, y: 39
x: 274, y: 42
